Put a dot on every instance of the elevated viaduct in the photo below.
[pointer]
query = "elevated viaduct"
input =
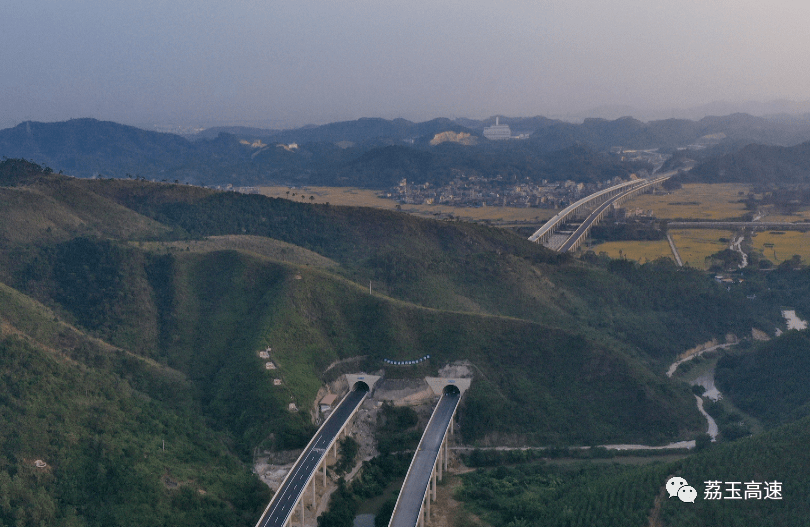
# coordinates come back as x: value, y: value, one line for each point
x: 419, y: 488
x: 290, y: 494
x: 430, y: 460
x: 593, y: 208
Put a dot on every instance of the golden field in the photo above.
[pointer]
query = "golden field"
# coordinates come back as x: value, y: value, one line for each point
x: 778, y: 246
x: 640, y: 251
x: 710, y: 202
x: 695, y: 201
x: 696, y: 245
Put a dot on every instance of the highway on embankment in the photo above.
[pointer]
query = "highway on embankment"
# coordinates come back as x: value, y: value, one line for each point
x: 415, y: 487
x: 281, y: 506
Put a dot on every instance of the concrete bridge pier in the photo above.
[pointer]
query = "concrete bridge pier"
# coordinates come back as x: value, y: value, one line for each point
x: 446, y: 453
x: 426, y: 506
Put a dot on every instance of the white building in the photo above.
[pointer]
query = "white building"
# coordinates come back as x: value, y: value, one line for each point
x: 498, y: 132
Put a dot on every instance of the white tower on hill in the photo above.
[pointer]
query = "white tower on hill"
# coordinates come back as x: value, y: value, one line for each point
x: 498, y: 132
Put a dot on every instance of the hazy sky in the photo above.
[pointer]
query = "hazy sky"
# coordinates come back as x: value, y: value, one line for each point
x: 297, y: 62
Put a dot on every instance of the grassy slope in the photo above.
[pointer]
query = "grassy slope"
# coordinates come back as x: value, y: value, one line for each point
x: 61, y: 209
x: 544, y: 386
x: 256, y: 245
x: 206, y: 314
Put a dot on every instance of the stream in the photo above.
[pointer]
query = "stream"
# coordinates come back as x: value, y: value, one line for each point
x: 736, y: 246
x: 707, y: 381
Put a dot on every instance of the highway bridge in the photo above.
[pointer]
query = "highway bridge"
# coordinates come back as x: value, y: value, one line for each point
x: 291, y: 492
x: 429, y: 462
x: 596, y: 205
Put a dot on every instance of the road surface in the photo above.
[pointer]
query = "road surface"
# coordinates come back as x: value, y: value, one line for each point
x: 592, y: 217
x: 585, y: 225
x: 406, y: 513
x: 281, y: 506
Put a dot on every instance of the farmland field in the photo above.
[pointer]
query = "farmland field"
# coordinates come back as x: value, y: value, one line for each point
x: 640, y: 251
x: 695, y: 245
x: 779, y: 246
x: 800, y: 215
x: 695, y: 201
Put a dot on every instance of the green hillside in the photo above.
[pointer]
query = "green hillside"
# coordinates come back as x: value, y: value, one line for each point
x: 206, y: 314
x: 467, y: 267
x: 764, y: 165
x: 769, y: 382
x: 120, y: 436
x: 613, y: 494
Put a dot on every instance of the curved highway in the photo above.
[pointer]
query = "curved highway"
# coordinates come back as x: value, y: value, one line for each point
x: 415, y: 487
x: 281, y: 506
x: 558, y: 219
x: 594, y: 216
x: 586, y: 225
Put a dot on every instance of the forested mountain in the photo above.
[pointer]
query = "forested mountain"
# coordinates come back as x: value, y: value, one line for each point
x: 770, y: 384
x: 132, y: 313
x: 367, y: 153
x: 543, y: 494
x: 758, y: 164
x: 515, y: 163
x: 86, y: 147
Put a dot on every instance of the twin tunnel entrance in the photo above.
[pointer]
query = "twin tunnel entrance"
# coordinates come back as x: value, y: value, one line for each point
x: 450, y: 389
x: 419, y: 488
x: 439, y: 385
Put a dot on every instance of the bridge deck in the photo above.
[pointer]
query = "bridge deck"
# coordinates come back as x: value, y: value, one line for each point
x: 409, y: 504
x: 562, y: 216
x: 281, y: 506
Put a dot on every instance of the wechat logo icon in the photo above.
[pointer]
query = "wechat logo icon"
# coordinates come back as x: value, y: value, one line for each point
x: 679, y: 487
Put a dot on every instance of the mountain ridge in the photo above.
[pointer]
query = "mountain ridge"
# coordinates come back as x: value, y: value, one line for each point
x: 90, y: 148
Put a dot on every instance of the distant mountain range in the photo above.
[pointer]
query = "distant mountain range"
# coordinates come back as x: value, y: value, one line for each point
x: 356, y: 152
x: 771, y: 109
